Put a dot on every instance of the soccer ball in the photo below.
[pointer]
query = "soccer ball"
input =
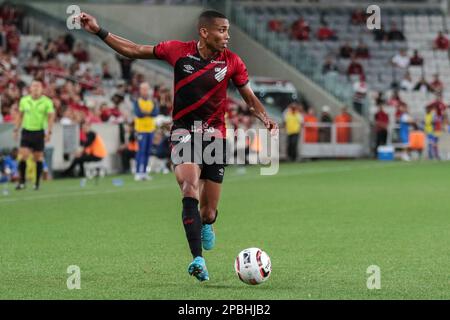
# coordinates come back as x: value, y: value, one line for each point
x: 253, y: 266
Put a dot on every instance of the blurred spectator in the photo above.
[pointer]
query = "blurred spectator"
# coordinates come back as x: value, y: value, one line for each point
x: 300, y: 30
x: 395, y: 101
x: 346, y: 51
x: 325, y: 128
x: 80, y: 54
x: 276, y: 25
x: 9, y: 166
x: 440, y: 107
x: 106, y: 74
x: 355, y: 68
x: 359, y: 94
x: 94, y: 116
x: 39, y: 53
x: 436, y: 85
x: 380, y: 34
x: 68, y: 117
x: 311, y: 131
x: 379, y: 98
x: 422, y: 85
x: 329, y: 66
x: 69, y: 40
x: 395, y: 34
x: 165, y: 108
x: 51, y: 51
x: 111, y: 114
x: 405, y: 121
x: 127, y: 151
x: 61, y: 45
x: 406, y: 83
x: 417, y: 140
x: 430, y: 122
x: 2, y: 35
x: 104, y: 112
x: 159, y: 160
x: 125, y: 67
x: 441, y: 42
x: 358, y: 17
x: 93, y: 150
x: 12, y: 40
x: 416, y: 60
x: 401, y: 59
x: 381, y: 125
x: 292, y: 121
x: 362, y: 51
x: 343, y: 129
x: 145, y: 111
x: 326, y: 33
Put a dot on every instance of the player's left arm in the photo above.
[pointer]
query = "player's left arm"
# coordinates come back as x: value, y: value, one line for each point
x: 50, y: 122
x: 256, y: 107
x: 50, y: 119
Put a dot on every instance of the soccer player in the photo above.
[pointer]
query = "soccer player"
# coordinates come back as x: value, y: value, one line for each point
x: 145, y: 110
x: 202, y: 70
x: 35, y: 117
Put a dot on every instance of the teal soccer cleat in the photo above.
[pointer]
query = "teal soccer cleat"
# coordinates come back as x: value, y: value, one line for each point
x: 197, y: 268
x: 208, y: 237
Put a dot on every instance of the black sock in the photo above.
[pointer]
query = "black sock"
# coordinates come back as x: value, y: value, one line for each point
x: 39, y: 166
x: 192, y: 225
x: 22, y: 171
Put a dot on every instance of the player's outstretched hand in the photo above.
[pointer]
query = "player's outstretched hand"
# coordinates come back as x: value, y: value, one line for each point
x: 88, y: 22
x: 272, y: 126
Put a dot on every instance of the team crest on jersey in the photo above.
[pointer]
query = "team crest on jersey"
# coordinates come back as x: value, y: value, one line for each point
x: 220, y: 74
x: 188, y: 68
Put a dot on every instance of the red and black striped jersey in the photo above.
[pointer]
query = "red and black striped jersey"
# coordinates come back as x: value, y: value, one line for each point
x: 200, y: 86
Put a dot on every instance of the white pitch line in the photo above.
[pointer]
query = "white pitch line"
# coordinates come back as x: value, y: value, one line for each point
x: 84, y: 193
x: 236, y: 177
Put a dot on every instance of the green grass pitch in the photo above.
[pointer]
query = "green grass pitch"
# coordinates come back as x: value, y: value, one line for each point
x: 322, y: 223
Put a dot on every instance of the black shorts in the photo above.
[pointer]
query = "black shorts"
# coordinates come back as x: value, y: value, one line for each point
x: 210, y: 155
x: 34, y: 140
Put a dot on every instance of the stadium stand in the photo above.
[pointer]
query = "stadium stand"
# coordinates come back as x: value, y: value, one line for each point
x: 84, y: 79
x: 308, y: 53
x: 411, y: 45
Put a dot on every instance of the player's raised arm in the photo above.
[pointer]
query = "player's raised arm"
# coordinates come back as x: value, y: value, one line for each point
x: 256, y: 107
x: 123, y: 46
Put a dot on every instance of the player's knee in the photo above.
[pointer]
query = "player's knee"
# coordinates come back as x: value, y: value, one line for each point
x: 23, y: 154
x: 190, y: 189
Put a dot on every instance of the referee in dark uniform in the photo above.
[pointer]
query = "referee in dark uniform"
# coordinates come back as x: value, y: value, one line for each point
x: 36, y: 117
